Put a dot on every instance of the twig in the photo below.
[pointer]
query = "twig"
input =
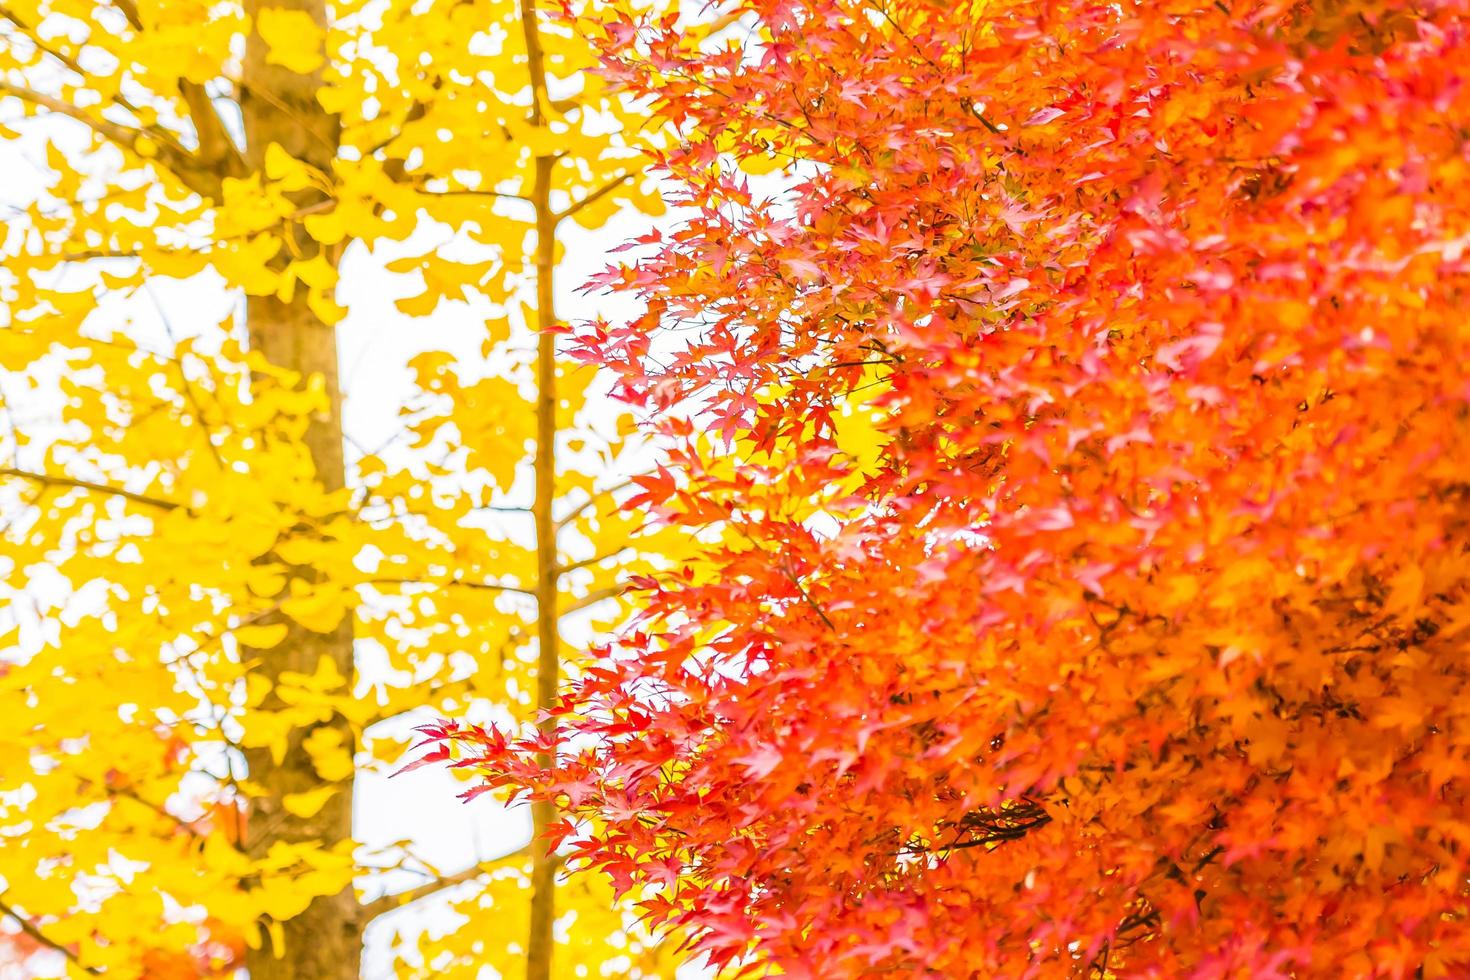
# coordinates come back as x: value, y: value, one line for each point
x: 69, y: 481
x: 593, y: 499
x: 388, y: 903
x: 453, y: 583
x: 816, y: 607
x: 595, y: 196
x: 593, y: 598
x: 30, y: 930
x: 587, y: 562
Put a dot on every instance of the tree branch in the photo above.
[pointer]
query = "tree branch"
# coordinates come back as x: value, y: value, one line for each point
x: 535, y: 61
x: 30, y: 930
x: 593, y: 598
x: 815, y: 606
x: 588, y: 562
x: 121, y: 135
x: 595, y: 196
x: 449, y: 583
x: 72, y: 65
x: 130, y: 11
x: 185, y: 825
x: 595, y: 498
x: 215, y: 146
x: 184, y: 381
x: 31, y: 36
x: 470, y: 192
x: 388, y: 903
x: 97, y: 254
x: 49, y: 479
x: 167, y: 151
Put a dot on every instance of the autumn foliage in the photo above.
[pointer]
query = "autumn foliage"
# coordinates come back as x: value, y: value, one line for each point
x: 1089, y: 412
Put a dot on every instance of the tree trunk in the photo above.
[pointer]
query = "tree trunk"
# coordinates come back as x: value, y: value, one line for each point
x: 280, y: 106
x: 325, y: 941
x: 540, y: 943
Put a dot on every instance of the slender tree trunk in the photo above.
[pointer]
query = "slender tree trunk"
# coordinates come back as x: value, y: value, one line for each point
x: 280, y: 106
x: 540, y: 943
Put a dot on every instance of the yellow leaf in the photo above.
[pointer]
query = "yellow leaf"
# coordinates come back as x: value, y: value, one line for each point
x: 758, y: 165
x: 319, y: 610
x: 282, y: 166
x: 271, y: 730
x: 256, y: 689
x: 265, y: 581
x: 294, y: 39
x: 316, y: 272
x: 329, y: 228
x: 247, y: 264
x: 307, y: 804
x: 324, y: 306
x: 420, y: 305
x: 332, y: 761
x: 326, y: 678
x: 261, y: 637
x: 334, y: 98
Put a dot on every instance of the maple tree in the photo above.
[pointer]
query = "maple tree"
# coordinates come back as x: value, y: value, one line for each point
x: 216, y: 614
x: 1076, y: 428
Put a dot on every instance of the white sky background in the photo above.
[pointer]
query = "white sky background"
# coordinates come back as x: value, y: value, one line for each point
x: 375, y: 343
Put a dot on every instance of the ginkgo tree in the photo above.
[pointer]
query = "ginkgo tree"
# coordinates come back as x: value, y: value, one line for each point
x: 214, y: 611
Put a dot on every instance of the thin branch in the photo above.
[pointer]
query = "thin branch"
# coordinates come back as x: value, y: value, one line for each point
x: 266, y: 95
x: 591, y: 501
x: 184, y: 825
x: 167, y: 151
x: 30, y: 929
x: 588, y: 562
x: 815, y: 606
x: 451, y: 583
x: 75, y: 67
x: 67, y: 481
x: 90, y: 255
x: 979, y: 113
x: 470, y: 192
x: 595, y: 196
x: 187, y: 826
x: 121, y: 135
x: 215, y: 144
x: 429, y: 515
x: 326, y: 204
x: 393, y: 714
x: 388, y: 903
x: 130, y: 11
x: 30, y: 35
x: 184, y: 381
x: 593, y: 598
x: 203, y: 641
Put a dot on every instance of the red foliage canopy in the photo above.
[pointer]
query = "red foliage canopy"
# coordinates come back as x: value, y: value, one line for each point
x: 1143, y: 648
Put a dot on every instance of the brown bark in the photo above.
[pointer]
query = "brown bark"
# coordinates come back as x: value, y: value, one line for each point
x: 325, y: 941
x: 540, y: 943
